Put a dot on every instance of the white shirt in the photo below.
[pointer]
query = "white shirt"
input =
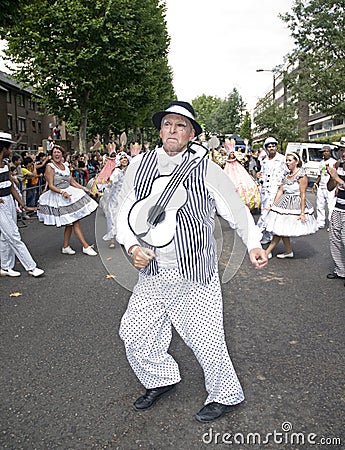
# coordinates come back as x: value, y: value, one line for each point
x: 273, y: 171
x: 228, y: 204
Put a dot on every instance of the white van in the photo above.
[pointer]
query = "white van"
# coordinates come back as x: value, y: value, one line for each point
x: 311, y: 155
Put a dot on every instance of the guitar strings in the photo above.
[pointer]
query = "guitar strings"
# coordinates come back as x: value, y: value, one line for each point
x: 176, y: 179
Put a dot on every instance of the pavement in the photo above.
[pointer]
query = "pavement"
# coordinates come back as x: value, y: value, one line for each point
x: 66, y: 384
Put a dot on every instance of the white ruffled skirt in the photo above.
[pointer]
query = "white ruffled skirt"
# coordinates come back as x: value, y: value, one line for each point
x: 54, y: 209
x: 283, y: 218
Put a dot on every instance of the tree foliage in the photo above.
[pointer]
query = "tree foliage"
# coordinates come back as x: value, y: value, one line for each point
x: 278, y: 121
x: 204, y: 105
x: 105, y: 61
x: 246, y: 127
x: 9, y: 12
x: 318, y: 27
x: 220, y: 116
x: 227, y: 117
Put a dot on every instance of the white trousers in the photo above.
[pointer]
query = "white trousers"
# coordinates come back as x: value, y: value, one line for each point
x: 324, y: 199
x: 196, y: 312
x: 11, y: 244
x: 266, y: 200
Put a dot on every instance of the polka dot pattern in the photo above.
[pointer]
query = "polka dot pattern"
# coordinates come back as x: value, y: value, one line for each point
x: 196, y: 312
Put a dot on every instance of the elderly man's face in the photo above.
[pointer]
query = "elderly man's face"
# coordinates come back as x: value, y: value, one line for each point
x: 176, y: 131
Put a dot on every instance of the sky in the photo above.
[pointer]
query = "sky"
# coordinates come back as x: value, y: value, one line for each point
x: 217, y: 45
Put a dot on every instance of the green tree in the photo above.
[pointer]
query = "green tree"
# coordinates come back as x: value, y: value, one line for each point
x: 9, y: 12
x: 278, y: 121
x: 204, y: 106
x: 106, y: 60
x: 246, y: 127
x: 318, y: 27
x: 227, y: 117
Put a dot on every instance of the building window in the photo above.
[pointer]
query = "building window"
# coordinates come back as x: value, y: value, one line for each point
x: 327, y: 124
x: 33, y: 125
x: 21, y: 125
x: 10, y: 122
x: 8, y: 97
x: 32, y: 104
x: 338, y: 122
x: 39, y: 127
x: 21, y: 100
x: 317, y: 126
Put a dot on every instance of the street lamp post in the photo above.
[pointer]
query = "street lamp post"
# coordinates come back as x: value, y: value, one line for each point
x: 274, y: 80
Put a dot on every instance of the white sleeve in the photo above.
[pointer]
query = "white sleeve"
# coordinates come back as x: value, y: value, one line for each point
x: 124, y: 234
x: 114, y: 177
x: 231, y: 207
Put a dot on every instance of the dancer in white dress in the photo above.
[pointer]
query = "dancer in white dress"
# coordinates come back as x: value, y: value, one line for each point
x: 65, y: 203
x: 291, y: 213
x: 111, y: 192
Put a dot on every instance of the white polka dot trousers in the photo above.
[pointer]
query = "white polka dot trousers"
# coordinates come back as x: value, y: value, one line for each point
x: 196, y: 312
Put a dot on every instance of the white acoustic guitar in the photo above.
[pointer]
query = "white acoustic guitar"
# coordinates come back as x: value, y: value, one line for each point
x: 153, y: 218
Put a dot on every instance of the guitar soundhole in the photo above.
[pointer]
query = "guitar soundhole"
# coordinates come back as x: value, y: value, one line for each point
x: 156, y: 215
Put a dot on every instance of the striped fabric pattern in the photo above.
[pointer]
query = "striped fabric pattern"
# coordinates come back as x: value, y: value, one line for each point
x: 194, y: 242
x: 337, y: 241
x: 5, y: 183
x: 340, y: 202
x: 64, y: 210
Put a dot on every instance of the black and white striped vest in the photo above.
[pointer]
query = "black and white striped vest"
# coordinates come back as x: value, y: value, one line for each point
x: 340, y: 199
x: 194, y: 241
x: 5, y: 183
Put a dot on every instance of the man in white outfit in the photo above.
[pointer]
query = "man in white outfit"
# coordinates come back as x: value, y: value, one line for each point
x: 324, y: 198
x: 11, y: 244
x: 178, y: 282
x: 273, y: 169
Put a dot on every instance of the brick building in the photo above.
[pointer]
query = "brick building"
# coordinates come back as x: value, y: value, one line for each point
x: 21, y: 116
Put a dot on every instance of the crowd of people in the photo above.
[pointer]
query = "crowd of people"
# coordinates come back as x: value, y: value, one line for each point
x: 53, y: 186
x: 261, y: 178
x: 176, y: 186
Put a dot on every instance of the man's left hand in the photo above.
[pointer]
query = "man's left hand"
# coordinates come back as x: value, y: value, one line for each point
x: 258, y: 257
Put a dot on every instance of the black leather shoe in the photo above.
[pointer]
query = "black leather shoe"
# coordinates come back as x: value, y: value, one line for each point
x: 333, y: 276
x: 213, y: 411
x: 151, y: 396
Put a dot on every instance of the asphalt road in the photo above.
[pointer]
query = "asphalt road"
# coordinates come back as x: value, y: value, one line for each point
x: 66, y: 384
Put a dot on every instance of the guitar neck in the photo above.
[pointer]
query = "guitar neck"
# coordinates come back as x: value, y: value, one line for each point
x: 180, y: 174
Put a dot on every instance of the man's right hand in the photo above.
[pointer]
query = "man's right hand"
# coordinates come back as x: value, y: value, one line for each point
x: 142, y: 256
